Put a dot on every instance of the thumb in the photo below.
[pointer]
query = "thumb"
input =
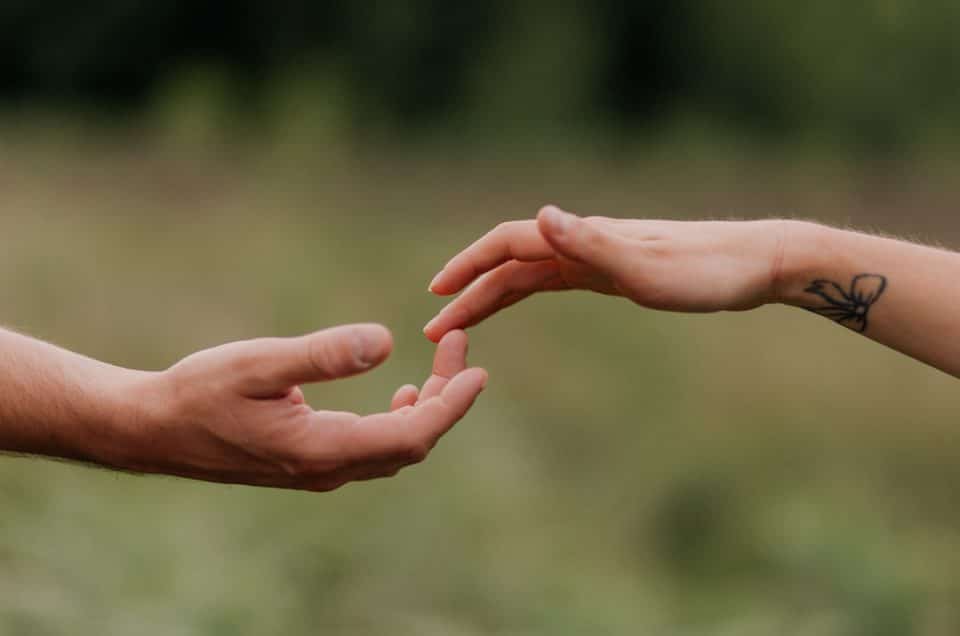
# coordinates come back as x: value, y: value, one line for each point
x: 270, y: 366
x: 582, y: 240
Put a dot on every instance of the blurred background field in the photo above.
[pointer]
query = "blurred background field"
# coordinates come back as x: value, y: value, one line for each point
x: 174, y: 176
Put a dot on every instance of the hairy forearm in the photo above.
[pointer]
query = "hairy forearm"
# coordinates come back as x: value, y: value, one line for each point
x: 901, y: 294
x: 57, y: 403
x: 233, y: 413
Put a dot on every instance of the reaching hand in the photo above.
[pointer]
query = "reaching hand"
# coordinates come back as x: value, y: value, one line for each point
x: 669, y: 265
x: 236, y: 414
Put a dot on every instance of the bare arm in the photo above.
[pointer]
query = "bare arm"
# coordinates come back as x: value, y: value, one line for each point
x: 900, y: 294
x: 58, y: 403
x: 234, y: 413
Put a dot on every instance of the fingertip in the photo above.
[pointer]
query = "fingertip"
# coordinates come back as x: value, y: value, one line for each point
x: 434, y: 330
x: 374, y: 342
x: 442, y: 288
x: 482, y: 376
x: 454, y: 276
x: 549, y: 211
x: 443, y: 284
x: 455, y: 338
x: 469, y: 381
x: 553, y: 222
x: 435, y: 283
x: 430, y: 328
x: 406, y: 395
x: 379, y: 330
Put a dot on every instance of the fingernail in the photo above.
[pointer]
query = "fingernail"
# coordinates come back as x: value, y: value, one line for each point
x: 429, y: 325
x: 367, y: 347
x: 558, y: 220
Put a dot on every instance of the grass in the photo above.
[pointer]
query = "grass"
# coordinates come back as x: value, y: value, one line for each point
x: 625, y: 472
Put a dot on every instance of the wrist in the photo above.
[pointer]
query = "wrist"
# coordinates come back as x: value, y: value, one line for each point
x: 804, y: 248
x: 123, y: 413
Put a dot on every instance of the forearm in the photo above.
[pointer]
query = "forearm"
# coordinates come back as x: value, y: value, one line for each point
x: 57, y: 403
x: 912, y: 291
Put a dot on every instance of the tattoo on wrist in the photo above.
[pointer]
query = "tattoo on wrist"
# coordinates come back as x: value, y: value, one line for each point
x: 850, y: 308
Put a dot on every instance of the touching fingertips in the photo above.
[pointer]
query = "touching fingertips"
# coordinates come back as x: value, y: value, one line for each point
x: 451, y: 317
x: 455, y: 340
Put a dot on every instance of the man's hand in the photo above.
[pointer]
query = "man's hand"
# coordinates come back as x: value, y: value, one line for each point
x: 669, y: 265
x: 236, y: 414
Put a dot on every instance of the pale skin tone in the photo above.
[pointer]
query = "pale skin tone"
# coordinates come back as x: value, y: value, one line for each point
x: 898, y: 293
x: 234, y: 413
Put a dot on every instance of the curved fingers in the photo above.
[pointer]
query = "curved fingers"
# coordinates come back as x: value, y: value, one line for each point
x: 497, y: 290
x: 514, y: 240
x: 406, y: 436
x: 380, y: 445
x: 429, y: 420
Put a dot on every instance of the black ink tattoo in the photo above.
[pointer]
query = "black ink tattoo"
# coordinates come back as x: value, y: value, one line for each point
x: 848, y: 307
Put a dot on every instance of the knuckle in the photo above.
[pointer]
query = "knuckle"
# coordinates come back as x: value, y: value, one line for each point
x: 502, y: 277
x: 594, y: 238
x: 522, y: 278
x: 658, y: 250
x: 245, y: 356
x: 504, y: 229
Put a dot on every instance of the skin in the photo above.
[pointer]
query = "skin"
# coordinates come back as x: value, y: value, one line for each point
x: 708, y: 267
x: 234, y: 413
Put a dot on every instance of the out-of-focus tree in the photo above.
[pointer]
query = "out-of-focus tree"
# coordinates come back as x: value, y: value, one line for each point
x: 871, y: 74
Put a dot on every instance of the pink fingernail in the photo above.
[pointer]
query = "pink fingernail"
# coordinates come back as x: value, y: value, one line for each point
x: 434, y: 281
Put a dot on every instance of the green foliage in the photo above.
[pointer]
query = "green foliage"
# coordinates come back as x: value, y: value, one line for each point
x: 877, y: 76
x: 626, y: 471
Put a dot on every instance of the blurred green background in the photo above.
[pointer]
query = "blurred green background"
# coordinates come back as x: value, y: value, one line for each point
x: 177, y: 175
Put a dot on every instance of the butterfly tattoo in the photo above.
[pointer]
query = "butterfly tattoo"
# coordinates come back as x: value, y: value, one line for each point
x: 850, y: 308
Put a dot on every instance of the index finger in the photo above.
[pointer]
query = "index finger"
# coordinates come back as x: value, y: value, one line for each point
x: 514, y: 240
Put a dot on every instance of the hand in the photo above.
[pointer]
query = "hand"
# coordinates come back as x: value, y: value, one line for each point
x: 669, y: 265
x: 236, y: 414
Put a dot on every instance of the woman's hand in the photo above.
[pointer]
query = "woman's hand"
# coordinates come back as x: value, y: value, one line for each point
x: 236, y: 414
x: 670, y: 265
